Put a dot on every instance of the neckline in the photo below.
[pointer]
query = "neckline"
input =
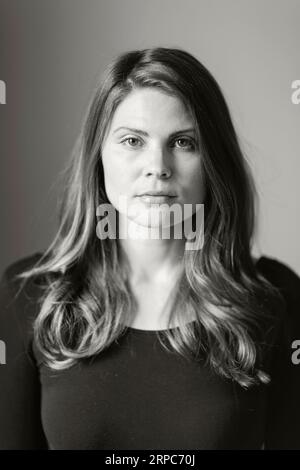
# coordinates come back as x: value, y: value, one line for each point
x: 139, y: 331
x: 149, y: 332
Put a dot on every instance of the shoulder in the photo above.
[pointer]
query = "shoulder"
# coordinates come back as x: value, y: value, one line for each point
x: 279, y: 273
x: 284, y: 278
x: 287, y: 281
x: 20, y: 290
x: 20, y: 265
x: 19, y: 301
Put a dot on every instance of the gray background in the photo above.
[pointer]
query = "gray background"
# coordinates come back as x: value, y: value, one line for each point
x: 51, y: 53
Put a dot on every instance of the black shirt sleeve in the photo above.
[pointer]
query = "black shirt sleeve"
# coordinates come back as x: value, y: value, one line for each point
x: 283, y: 405
x: 20, y: 410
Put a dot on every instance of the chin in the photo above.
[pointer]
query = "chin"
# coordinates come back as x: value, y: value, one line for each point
x: 143, y: 222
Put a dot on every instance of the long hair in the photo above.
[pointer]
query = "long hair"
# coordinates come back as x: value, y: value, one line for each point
x: 87, y: 298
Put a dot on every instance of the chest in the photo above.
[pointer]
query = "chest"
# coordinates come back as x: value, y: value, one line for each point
x: 138, y: 396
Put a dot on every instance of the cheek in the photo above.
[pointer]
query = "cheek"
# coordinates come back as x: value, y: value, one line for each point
x: 117, y: 178
x: 193, y: 181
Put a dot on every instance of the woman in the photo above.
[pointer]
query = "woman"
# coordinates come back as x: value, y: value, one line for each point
x: 119, y: 337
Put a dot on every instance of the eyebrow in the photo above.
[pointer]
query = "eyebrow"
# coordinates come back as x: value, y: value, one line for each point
x: 140, y: 131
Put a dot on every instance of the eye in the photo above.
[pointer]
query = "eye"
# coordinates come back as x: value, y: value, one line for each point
x: 185, y: 143
x: 131, y: 141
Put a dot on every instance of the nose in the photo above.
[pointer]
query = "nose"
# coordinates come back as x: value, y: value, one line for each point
x: 158, y: 164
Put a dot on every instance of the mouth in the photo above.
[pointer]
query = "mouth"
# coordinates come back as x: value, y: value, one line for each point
x: 157, y: 193
x: 156, y: 198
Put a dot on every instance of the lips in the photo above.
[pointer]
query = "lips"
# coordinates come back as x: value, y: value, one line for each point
x: 158, y: 193
x: 147, y: 198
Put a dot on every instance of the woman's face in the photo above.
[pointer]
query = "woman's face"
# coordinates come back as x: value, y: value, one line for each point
x: 151, y: 146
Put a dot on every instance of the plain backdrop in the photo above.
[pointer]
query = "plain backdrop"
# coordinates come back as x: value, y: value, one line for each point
x: 52, y: 52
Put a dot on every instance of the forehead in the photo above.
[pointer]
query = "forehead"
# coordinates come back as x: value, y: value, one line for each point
x: 151, y: 108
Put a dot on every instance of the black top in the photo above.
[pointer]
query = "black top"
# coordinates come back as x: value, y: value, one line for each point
x: 136, y: 395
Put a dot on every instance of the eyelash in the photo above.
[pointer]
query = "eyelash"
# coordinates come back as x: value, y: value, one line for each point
x: 190, y: 147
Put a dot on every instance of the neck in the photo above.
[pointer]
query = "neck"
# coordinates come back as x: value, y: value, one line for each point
x: 150, y: 258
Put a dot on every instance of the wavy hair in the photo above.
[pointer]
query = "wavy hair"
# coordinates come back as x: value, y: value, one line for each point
x: 87, y: 298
